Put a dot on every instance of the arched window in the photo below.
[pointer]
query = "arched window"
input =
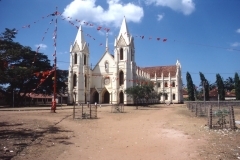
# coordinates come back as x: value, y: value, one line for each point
x: 166, y: 97
x: 74, y: 80
x: 106, y: 66
x: 166, y: 85
x: 173, y: 84
x: 75, y: 58
x: 85, y: 81
x: 121, y: 54
x: 121, y: 78
x: 173, y: 96
x: 84, y: 59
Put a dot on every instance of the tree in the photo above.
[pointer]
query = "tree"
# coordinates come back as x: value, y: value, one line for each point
x: 229, y: 84
x: 220, y: 85
x: 20, y: 66
x: 135, y: 92
x: 190, y: 87
x: 237, y: 86
x: 144, y: 91
x: 205, y: 85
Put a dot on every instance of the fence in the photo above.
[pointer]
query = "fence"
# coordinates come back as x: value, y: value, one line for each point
x: 85, y: 111
x: 119, y: 108
x: 218, y: 114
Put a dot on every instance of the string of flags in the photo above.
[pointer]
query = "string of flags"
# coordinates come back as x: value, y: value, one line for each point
x: 99, y: 28
x: 71, y: 22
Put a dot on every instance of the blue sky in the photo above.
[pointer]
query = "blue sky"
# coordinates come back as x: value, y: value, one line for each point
x: 203, y: 35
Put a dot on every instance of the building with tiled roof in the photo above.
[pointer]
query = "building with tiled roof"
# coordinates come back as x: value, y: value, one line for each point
x: 113, y: 74
x: 213, y: 95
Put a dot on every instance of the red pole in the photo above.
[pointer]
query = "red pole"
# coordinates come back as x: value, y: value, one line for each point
x: 53, y: 109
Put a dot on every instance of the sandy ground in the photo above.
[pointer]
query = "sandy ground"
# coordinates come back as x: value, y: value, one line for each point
x: 157, y: 132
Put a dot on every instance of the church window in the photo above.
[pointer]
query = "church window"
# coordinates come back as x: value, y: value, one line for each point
x: 121, y: 78
x: 173, y: 84
x: 74, y: 80
x: 173, y: 96
x: 84, y: 59
x: 85, y: 81
x: 166, y: 97
x: 75, y: 58
x: 166, y: 85
x: 121, y: 54
x: 106, y: 65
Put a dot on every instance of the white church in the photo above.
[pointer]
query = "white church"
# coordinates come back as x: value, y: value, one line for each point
x: 107, y: 81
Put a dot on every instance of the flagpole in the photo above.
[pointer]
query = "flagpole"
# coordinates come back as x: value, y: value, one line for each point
x: 53, y: 109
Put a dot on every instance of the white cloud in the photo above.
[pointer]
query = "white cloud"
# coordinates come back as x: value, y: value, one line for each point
x: 160, y: 17
x: 184, y: 6
x: 88, y: 11
x: 42, y: 46
x: 238, y: 30
x: 235, y: 44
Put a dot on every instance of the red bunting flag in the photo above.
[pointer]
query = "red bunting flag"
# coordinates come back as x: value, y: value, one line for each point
x: 101, y: 44
x: 165, y: 39
x: 99, y: 28
x: 106, y: 29
x: 142, y: 37
x: 158, y: 39
x: 57, y: 13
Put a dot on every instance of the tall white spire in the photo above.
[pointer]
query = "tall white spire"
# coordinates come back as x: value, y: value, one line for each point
x: 107, y: 42
x: 124, y: 31
x: 80, y: 38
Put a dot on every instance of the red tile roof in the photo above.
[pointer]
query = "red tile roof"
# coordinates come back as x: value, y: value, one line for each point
x: 214, y: 93
x: 161, y: 69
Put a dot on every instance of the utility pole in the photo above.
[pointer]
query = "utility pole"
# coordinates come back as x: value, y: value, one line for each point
x: 53, y: 109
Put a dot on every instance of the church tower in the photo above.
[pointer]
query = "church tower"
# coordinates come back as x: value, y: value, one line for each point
x: 124, y: 57
x: 79, y: 76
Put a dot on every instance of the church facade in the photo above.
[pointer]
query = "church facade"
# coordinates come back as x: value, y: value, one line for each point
x: 113, y: 74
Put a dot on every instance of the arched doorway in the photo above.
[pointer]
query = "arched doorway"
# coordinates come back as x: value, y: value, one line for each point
x: 106, y: 97
x: 121, y: 97
x: 95, y: 97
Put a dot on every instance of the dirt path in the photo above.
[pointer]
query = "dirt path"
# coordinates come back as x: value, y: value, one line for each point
x: 136, y: 134
x: 161, y: 132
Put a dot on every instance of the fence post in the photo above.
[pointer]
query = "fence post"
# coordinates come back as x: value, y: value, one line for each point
x: 82, y: 110
x: 196, y: 110
x: 90, y: 111
x: 232, y: 118
x: 210, y: 117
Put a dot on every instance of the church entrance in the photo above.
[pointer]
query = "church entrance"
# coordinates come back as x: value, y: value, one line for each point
x: 106, y: 97
x: 95, y: 97
x: 121, y: 97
